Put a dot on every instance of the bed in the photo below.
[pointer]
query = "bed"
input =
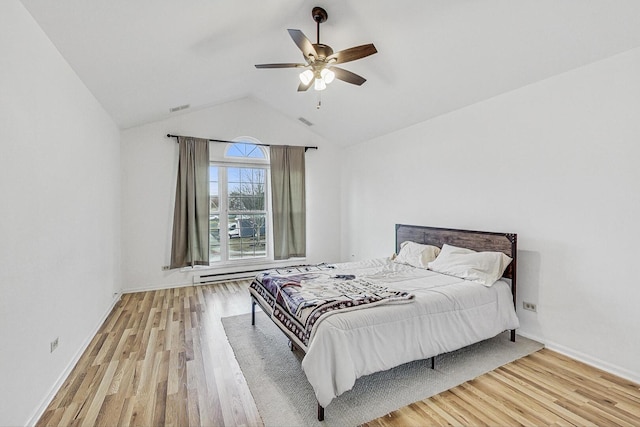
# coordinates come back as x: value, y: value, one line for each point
x: 356, y: 318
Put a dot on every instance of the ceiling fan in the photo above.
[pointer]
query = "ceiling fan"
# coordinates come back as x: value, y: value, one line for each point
x: 320, y: 60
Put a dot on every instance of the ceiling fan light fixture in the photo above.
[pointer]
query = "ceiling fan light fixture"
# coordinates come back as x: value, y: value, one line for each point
x: 320, y: 59
x: 306, y: 77
x: 327, y: 75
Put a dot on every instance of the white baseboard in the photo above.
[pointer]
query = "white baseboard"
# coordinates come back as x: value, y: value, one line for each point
x: 157, y: 287
x: 586, y: 359
x: 216, y: 274
x: 163, y: 286
x: 72, y: 363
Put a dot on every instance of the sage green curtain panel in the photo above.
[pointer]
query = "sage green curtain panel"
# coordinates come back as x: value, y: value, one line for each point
x: 288, y: 198
x: 190, y: 241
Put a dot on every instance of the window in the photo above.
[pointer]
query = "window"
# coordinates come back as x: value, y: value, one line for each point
x: 238, y: 208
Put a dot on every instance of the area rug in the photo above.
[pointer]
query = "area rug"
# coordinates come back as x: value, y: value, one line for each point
x: 285, y: 398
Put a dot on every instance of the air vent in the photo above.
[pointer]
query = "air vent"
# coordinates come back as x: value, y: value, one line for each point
x: 181, y: 107
x: 305, y: 121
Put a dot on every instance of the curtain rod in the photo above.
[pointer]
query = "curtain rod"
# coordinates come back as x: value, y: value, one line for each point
x: 233, y: 142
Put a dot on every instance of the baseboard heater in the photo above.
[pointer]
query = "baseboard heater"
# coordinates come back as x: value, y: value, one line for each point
x: 231, y: 275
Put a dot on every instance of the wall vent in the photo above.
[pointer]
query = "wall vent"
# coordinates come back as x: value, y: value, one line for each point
x: 305, y: 121
x: 181, y: 107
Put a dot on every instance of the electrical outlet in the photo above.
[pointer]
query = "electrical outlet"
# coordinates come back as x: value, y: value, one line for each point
x: 54, y: 344
x: 529, y: 306
x: 165, y: 268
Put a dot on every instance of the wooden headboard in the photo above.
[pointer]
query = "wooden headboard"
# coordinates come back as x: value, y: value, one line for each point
x: 476, y: 240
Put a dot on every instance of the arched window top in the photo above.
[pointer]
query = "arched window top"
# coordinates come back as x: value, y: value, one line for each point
x: 246, y: 150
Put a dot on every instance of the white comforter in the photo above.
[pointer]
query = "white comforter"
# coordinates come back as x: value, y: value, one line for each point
x: 448, y: 314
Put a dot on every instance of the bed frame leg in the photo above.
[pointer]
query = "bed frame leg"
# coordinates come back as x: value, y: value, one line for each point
x: 253, y: 311
x: 320, y: 413
x: 433, y: 362
x: 513, y: 335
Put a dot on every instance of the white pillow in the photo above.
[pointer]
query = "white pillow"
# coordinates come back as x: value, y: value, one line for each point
x: 480, y: 267
x: 416, y: 254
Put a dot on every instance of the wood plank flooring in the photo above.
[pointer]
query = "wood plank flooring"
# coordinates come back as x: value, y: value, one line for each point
x: 162, y: 358
x: 542, y: 389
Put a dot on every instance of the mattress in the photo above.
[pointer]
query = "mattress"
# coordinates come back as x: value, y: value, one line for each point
x: 446, y: 313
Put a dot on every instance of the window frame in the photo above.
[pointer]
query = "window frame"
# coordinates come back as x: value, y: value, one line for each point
x: 219, y: 157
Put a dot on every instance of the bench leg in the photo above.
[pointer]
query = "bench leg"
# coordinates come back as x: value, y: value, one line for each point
x: 320, y: 413
x: 513, y: 335
x: 433, y: 362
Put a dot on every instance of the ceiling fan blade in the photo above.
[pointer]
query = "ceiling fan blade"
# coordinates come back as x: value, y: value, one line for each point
x: 353, y: 53
x: 348, y: 76
x: 284, y: 65
x: 303, y: 43
x: 303, y: 87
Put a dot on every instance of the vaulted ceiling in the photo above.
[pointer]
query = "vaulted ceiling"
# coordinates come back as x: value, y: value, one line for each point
x: 140, y: 58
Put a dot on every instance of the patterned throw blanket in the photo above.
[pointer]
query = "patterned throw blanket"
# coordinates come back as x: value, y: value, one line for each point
x: 300, y: 297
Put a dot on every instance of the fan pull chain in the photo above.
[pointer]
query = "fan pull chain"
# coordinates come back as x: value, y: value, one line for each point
x: 319, y: 101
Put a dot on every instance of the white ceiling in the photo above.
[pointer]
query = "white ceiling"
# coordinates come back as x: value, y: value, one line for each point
x: 142, y: 57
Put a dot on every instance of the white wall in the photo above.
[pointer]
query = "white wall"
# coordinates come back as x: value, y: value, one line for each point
x: 150, y: 162
x: 59, y: 215
x: 556, y: 162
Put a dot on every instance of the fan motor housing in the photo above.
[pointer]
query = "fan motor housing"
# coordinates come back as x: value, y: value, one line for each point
x: 323, y: 50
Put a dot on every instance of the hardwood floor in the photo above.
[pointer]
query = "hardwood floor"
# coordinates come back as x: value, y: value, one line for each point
x: 162, y: 358
x: 542, y: 389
